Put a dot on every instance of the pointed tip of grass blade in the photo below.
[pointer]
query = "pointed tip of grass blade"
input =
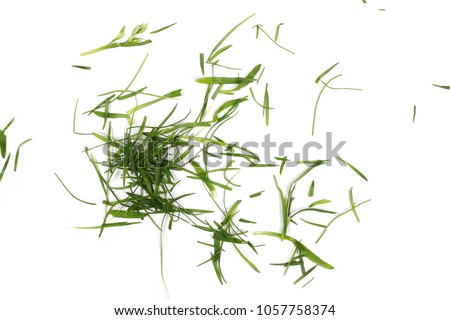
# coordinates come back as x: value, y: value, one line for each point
x: 323, y: 74
x: 311, y: 190
x: 442, y: 87
x: 257, y: 194
x: 9, y: 124
x: 359, y: 173
x: 162, y: 29
x: 81, y: 67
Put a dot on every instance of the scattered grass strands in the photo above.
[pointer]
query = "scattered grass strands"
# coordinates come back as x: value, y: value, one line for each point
x: 259, y: 28
x: 132, y: 41
x: 265, y: 106
x: 213, y: 51
x: 257, y: 194
x: 303, y: 249
x: 311, y: 190
x: 414, y: 114
x: 16, y: 160
x: 317, y: 102
x: 326, y: 85
x: 344, y: 88
x: 338, y: 216
x: 359, y: 173
x: 90, y: 203
x: 163, y: 28
x: 323, y: 74
x: 81, y: 67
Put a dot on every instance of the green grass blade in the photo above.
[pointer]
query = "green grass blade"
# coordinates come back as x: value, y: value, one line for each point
x: 259, y: 28
x: 323, y: 74
x: 9, y: 124
x: 3, y: 143
x: 170, y: 95
x: 308, y: 282
x: 109, y: 115
x: 246, y: 221
x: 223, y: 80
x: 251, y: 264
x: 414, y: 114
x: 277, y: 32
x: 317, y: 102
x: 163, y: 28
x: 319, y: 202
x: 352, y: 203
x: 81, y: 67
x: 359, y: 173
x: 90, y: 203
x: 336, y: 217
x: 226, y: 36
x: 313, y: 223
x: 16, y: 161
x: 312, y: 256
x: 311, y: 190
x: 5, y: 165
x: 202, y: 63
x: 305, y: 275
x: 109, y: 225
x: 127, y: 214
x: 220, y: 51
x: 442, y: 87
x: 257, y: 194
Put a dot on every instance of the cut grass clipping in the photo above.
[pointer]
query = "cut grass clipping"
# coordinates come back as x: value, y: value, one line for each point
x: 325, y: 84
x: 5, y: 155
x: 142, y: 171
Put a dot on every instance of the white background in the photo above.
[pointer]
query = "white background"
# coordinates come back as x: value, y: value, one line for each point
x: 392, y: 265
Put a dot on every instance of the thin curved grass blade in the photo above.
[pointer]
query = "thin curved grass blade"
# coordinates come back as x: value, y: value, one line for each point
x: 86, y: 202
x: 16, y: 161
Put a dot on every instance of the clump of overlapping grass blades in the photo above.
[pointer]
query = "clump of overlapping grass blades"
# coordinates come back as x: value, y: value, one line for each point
x: 5, y: 155
x: 143, y: 168
x: 289, y: 214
